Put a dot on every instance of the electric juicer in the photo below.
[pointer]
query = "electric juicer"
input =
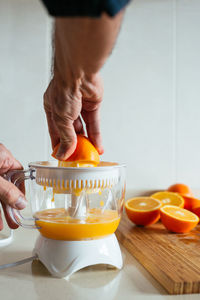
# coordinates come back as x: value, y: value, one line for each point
x: 76, y: 210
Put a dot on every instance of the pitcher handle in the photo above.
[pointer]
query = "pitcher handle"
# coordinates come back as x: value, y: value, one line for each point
x: 20, y: 176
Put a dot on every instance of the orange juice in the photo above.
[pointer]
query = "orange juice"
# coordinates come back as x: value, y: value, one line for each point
x: 58, y: 225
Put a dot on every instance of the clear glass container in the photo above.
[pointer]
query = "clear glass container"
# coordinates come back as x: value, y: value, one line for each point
x: 72, y: 203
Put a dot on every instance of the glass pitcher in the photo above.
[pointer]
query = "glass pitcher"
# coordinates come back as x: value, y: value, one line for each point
x: 72, y: 203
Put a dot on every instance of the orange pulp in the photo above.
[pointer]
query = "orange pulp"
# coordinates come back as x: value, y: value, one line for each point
x: 58, y: 225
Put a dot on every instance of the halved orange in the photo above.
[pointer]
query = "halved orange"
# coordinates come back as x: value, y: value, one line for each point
x: 196, y: 211
x: 177, y: 219
x: 85, y: 154
x: 169, y: 198
x: 143, y: 210
x: 190, y: 202
x: 180, y: 188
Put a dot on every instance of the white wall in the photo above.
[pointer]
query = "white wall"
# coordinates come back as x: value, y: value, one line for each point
x: 24, y: 48
x: 150, y: 113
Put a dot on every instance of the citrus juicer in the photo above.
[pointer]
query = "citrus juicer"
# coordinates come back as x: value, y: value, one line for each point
x: 76, y: 210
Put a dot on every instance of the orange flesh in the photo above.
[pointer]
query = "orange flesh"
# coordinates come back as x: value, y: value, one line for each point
x: 146, y: 205
x: 177, y: 219
x: 169, y: 198
x: 56, y: 224
x: 182, y: 214
x: 76, y: 164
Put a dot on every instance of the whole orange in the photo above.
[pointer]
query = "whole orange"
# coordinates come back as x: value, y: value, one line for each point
x: 180, y: 188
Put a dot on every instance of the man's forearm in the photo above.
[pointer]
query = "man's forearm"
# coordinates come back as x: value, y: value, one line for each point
x: 82, y: 45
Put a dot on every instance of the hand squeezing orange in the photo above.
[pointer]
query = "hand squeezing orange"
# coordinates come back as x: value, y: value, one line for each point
x: 84, y: 155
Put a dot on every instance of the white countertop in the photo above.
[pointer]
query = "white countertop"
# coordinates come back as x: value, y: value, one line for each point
x: 33, y: 281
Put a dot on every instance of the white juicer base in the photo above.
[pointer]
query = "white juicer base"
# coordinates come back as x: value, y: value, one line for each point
x: 63, y: 258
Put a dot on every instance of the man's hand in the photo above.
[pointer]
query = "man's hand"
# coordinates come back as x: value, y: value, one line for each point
x: 64, y: 106
x: 9, y: 193
x: 74, y: 95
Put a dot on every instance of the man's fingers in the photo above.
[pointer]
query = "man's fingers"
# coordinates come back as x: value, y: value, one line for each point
x: 7, y: 161
x: 92, y: 122
x: 48, y: 98
x: 10, y: 164
x: 1, y: 221
x: 92, y: 91
x: 11, y: 195
x: 68, y: 138
x: 8, y: 218
x: 53, y: 132
x: 78, y: 126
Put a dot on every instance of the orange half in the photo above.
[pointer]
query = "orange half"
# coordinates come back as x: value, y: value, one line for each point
x: 169, y: 198
x: 85, y: 154
x: 190, y: 202
x: 177, y: 219
x: 143, y: 210
x: 196, y: 211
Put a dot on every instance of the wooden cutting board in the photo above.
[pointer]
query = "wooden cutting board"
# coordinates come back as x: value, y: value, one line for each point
x: 173, y: 259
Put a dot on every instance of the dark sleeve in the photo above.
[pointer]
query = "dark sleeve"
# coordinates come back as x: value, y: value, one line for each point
x: 89, y: 8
